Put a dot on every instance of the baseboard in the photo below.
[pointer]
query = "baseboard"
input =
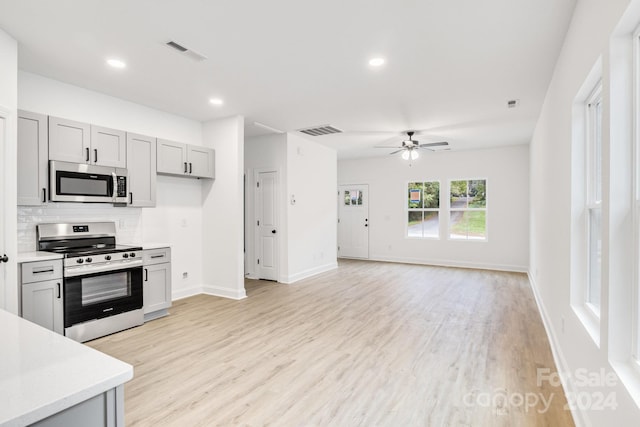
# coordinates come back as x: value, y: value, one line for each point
x: 558, y: 356
x: 310, y: 272
x: 452, y: 263
x: 219, y: 291
x: 185, y: 293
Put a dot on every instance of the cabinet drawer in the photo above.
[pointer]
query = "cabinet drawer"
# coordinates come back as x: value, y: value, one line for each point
x: 157, y: 256
x: 41, y: 270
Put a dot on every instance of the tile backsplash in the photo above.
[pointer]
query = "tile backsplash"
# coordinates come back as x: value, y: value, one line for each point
x: 128, y: 223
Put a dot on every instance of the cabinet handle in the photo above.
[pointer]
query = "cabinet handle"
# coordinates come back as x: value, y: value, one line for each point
x: 190, y: 167
x: 58, y: 290
x: 44, y: 195
x: 95, y: 155
x: 157, y: 256
x: 185, y: 167
x: 146, y: 275
x: 87, y: 159
x: 49, y: 270
x: 130, y: 198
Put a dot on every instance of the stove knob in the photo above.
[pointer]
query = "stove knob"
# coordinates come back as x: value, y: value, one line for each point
x: 89, y: 259
x: 107, y: 257
x: 125, y: 255
x: 79, y: 260
x: 132, y: 254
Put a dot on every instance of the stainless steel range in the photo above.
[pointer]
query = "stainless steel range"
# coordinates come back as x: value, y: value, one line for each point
x: 102, y: 281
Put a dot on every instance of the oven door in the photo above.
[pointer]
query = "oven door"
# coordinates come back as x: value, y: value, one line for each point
x: 99, y: 295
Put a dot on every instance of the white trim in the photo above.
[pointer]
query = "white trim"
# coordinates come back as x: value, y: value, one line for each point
x: 219, y: 291
x: 556, y: 351
x: 185, y: 293
x: 452, y: 263
x: 309, y: 273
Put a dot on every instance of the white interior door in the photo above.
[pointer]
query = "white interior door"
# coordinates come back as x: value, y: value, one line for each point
x: 267, y: 225
x: 353, y: 221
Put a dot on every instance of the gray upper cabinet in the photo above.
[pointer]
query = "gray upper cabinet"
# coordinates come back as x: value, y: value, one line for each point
x: 108, y: 147
x: 176, y: 158
x: 69, y: 141
x: 32, y: 158
x: 201, y: 161
x: 141, y: 160
x: 76, y: 142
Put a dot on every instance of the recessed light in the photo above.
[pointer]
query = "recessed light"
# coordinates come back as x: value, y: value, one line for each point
x: 216, y: 101
x: 376, y: 62
x: 116, y: 63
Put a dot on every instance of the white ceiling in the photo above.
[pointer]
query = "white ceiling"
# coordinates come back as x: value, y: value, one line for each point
x: 290, y: 64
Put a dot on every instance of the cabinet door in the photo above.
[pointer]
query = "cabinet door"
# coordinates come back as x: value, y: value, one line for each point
x: 108, y: 147
x: 172, y: 157
x: 69, y: 141
x: 141, y: 161
x: 42, y: 303
x: 157, y: 287
x: 201, y: 161
x: 33, y: 156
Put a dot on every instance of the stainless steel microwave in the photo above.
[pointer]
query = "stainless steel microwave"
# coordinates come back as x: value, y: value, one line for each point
x: 76, y: 182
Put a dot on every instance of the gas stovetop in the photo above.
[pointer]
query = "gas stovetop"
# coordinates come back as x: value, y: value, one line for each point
x: 82, y: 251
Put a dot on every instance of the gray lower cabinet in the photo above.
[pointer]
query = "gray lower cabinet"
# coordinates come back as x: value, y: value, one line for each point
x: 42, y: 294
x: 141, y: 164
x: 103, y: 410
x: 33, y: 156
x: 177, y: 158
x: 156, y: 285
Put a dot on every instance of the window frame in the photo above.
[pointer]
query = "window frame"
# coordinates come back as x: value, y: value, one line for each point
x: 467, y: 209
x: 407, y: 209
x: 593, y: 203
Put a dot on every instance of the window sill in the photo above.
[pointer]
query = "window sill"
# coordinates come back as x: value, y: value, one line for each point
x: 590, y: 321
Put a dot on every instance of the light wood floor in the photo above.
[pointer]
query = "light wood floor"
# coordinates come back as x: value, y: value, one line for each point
x: 369, y: 344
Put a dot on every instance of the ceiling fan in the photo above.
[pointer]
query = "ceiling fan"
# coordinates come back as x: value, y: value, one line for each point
x: 410, y: 147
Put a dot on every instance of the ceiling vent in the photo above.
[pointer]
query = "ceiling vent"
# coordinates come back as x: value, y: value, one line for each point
x: 186, y: 51
x: 320, y: 130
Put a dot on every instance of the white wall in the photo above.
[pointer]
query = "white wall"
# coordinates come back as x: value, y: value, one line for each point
x: 267, y: 153
x: 312, y: 220
x: 8, y: 102
x: 223, y: 210
x: 551, y: 216
x: 177, y: 217
x: 506, y: 172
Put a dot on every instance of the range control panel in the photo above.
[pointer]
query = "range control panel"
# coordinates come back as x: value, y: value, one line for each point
x: 80, y: 228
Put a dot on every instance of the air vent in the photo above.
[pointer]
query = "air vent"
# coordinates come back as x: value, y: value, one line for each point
x: 186, y: 51
x: 513, y: 103
x: 320, y: 130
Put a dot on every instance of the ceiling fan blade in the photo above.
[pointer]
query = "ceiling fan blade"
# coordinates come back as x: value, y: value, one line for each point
x: 388, y: 146
x: 434, y: 144
x: 397, y: 151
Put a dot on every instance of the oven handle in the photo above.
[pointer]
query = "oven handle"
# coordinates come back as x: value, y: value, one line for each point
x: 85, y: 270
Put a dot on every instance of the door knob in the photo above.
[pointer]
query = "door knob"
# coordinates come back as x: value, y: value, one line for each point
x: 4, y: 258
x: 273, y: 231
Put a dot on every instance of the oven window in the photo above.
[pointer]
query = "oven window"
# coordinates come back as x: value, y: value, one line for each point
x: 83, y: 186
x: 105, y: 287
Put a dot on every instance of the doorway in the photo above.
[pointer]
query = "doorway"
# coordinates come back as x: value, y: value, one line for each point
x: 267, y: 230
x: 353, y: 221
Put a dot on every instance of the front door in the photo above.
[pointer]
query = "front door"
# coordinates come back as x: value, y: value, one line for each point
x: 267, y: 225
x: 353, y: 221
x: 3, y: 230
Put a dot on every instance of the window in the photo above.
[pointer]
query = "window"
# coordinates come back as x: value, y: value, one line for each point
x: 468, y: 213
x: 593, y: 185
x: 423, y: 209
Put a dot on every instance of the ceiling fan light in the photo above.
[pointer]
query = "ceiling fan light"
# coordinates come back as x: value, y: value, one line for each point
x: 414, y: 154
x: 405, y: 155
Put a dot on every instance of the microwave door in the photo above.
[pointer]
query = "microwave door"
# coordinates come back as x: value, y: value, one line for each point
x: 71, y: 182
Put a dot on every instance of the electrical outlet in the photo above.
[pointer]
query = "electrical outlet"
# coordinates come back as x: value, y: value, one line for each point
x: 121, y: 223
x: 185, y: 275
x: 183, y: 223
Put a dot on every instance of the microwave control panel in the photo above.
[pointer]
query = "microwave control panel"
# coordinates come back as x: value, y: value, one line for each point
x: 122, y: 186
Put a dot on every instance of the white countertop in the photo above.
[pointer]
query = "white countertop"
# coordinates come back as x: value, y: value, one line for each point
x: 43, y: 373
x: 37, y: 256
x: 147, y: 246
